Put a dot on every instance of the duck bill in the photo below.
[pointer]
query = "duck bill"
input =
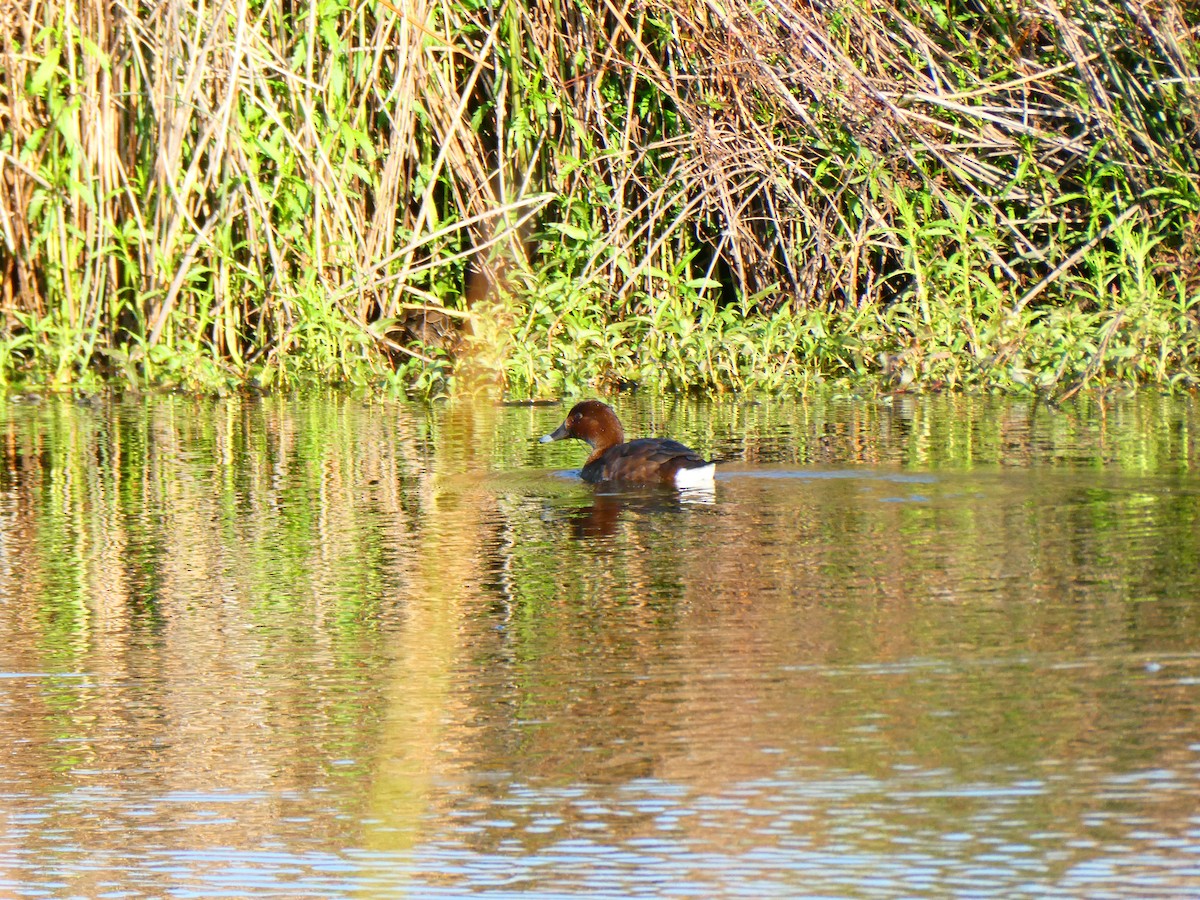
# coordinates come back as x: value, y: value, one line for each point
x: 556, y: 435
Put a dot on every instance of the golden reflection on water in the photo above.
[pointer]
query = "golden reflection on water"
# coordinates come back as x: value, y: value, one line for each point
x: 256, y: 636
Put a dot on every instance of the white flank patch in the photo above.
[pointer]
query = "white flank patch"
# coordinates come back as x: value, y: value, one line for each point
x: 702, y: 476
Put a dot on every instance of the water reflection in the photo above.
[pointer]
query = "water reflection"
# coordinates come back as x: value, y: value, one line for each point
x: 597, y: 512
x: 321, y: 647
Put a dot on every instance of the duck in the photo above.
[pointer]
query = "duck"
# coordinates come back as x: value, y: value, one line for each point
x: 643, y: 461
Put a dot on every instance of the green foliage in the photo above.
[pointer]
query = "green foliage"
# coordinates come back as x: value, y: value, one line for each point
x: 682, y: 197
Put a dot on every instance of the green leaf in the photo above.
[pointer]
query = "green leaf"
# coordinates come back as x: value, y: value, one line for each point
x: 574, y: 233
x: 92, y: 49
x: 45, y: 71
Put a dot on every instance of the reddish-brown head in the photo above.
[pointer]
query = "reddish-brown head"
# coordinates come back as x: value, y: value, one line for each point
x: 593, y: 422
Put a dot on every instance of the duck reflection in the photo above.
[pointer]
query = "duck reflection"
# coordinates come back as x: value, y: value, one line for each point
x: 599, y: 518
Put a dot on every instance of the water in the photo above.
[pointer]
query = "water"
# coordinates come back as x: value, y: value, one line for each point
x: 329, y: 647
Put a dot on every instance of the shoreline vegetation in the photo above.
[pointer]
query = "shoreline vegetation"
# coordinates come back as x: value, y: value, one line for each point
x: 546, y: 198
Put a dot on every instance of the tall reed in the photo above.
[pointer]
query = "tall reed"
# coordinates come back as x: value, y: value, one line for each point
x: 558, y: 197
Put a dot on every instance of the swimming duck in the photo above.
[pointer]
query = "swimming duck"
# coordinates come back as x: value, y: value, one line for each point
x: 644, y: 461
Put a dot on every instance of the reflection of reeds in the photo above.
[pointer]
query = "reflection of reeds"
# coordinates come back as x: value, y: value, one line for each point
x: 268, y: 597
x: 201, y: 562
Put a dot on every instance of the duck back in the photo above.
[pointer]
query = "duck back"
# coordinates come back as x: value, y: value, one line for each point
x: 649, y: 461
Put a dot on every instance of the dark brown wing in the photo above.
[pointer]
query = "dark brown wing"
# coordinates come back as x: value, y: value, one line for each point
x: 644, y: 461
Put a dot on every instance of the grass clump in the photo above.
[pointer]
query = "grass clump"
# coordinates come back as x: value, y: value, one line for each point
x: 553, y: 198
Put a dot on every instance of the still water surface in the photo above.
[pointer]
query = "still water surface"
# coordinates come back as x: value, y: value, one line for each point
x: 328, y: 647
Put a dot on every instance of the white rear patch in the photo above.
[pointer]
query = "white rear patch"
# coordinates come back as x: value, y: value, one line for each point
x: 700, y: 477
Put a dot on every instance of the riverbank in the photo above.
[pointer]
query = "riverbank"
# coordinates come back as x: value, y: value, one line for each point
x: 538, y: 200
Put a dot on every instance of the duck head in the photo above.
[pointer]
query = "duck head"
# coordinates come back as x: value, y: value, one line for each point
x: 592, y: 422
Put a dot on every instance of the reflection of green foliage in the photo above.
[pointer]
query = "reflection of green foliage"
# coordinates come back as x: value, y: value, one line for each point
x: 307, y: 533
x: 128, y: 494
